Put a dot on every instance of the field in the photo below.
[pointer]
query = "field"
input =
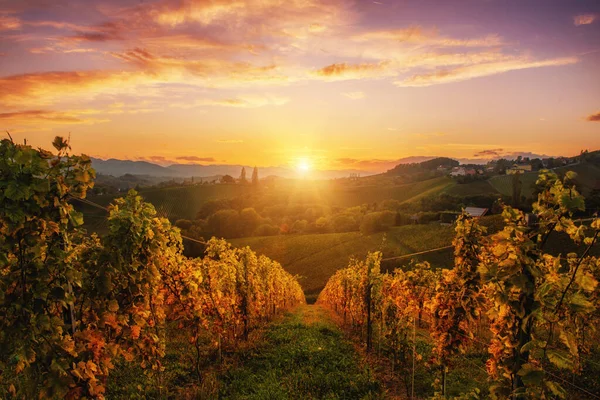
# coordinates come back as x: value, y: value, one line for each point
x: 316, y: 257
x: 504, y: 183
x: 471, y: 189
x: 588, y: 178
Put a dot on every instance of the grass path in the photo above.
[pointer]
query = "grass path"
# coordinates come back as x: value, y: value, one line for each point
x: 305, y: 356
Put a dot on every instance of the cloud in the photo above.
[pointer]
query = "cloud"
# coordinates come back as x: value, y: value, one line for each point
x: 32, y: 117
x: 342, y: 71
x: 196, y: 159
x: 421, y: 36
x: 206, y: 70
x: 410, y: 34
x: 47, y: 87
x: 479, y: 70
x: 489, y: 153
x: 593, y: 117
x: 584, y: 19
x: 229, y: 141
x: 354, y: 95
x: 8, y: 23
x: 249, y: 101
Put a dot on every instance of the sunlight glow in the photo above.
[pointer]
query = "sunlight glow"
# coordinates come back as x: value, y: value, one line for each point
x: 303, y: 166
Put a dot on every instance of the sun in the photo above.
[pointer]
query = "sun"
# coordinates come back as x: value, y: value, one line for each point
x: 303, y: 165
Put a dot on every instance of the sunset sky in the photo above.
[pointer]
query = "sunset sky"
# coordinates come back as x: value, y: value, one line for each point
x: 339, y: 84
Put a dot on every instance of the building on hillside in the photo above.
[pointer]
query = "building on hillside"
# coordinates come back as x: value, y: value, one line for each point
x: 462, y: 171
x: 518, y: 169
x: 476, y: 212
x: 458, y: 171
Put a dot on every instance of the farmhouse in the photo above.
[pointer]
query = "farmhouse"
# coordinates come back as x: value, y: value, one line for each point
x: 518, y: 169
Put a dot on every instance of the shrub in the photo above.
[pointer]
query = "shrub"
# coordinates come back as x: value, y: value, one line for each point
x: 377, y: 222
x: 266, y: 230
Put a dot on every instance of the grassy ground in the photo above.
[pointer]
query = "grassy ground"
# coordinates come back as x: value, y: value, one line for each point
x: 304, y: 357
x: 471, y: 189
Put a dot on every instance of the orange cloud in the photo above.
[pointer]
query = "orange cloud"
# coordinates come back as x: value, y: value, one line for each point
x: 479, y: 70
x: 594, y: 117
x: 352, y: 71
x: 32, y: 117
x: 584, y: 19
x: 8, y: 23
x: 47, y: 87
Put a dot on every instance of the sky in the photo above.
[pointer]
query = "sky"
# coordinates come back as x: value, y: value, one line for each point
x: 332, y: 84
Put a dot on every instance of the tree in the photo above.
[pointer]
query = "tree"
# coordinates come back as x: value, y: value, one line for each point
x: 227, y: 179
x: 243, y: 176
x: 255, y: 176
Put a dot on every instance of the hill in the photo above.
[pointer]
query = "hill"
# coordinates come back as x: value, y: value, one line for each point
x: 588, y: 179
x: 316, y: 257
x: 118, y: 168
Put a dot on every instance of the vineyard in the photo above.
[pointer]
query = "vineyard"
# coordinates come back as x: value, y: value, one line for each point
x: 522, y: 316
x: 127, y: 315
x: 76, y: 308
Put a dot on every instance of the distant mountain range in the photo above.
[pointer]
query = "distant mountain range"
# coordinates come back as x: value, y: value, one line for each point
x: 119, y: 168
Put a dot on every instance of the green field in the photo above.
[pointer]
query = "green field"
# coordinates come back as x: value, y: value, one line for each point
x: 316, y: 257
x: 504, y: 183
x: 588, y: 178
x: 471, y: 189
x: 386, y: 190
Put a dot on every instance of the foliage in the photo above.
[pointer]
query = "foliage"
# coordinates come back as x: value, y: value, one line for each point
x: 538, y: 299
x: 456, y: 304
x: 38, y: 270
x: 538, y: 304
x: 377, y: 222
x: 73, y: 306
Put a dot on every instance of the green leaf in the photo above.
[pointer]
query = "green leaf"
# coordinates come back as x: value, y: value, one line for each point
x: 76, y: 218
x: 571, y: 175
x: 16, y: 191
x: 587, y: 282
x: 560, y: 358
x: 556, y: 389
x: 580, y: 304
x: 572, y: 203
x: 531, y: 375
x: 23, y: 157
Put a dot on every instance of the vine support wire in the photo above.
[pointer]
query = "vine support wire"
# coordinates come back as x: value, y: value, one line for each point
x: 412, y: 386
